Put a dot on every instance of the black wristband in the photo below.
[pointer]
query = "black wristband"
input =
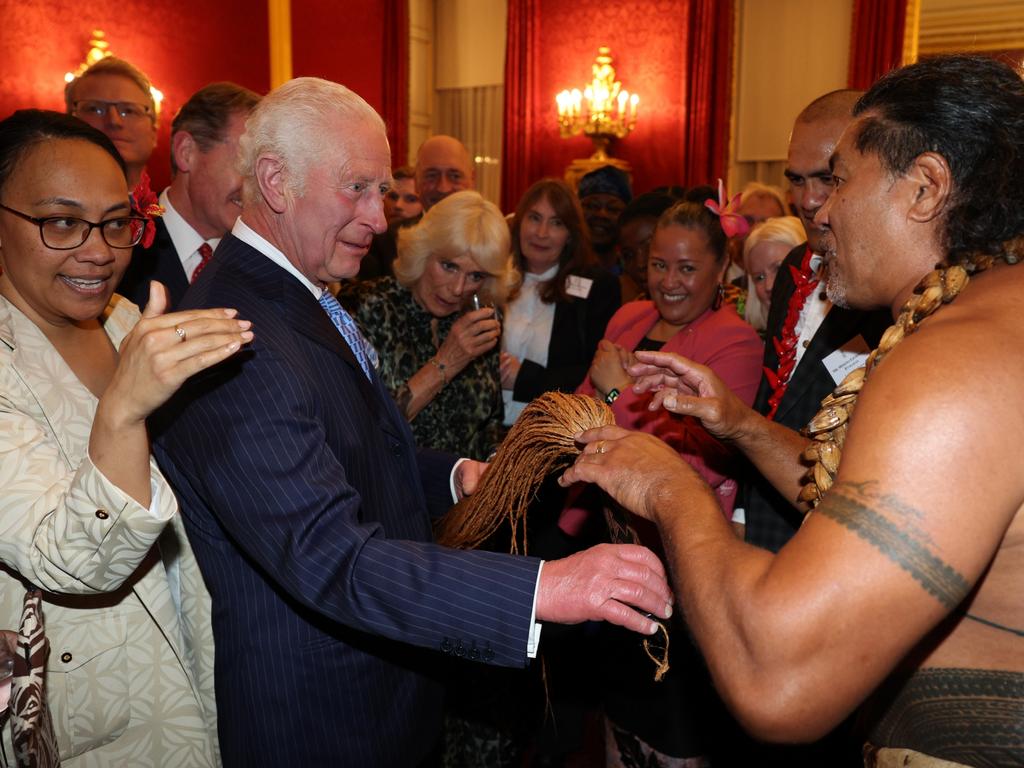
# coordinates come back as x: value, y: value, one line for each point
x: 612, y: 396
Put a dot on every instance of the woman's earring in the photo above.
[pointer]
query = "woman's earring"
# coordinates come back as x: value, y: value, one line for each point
x: 719, y: 297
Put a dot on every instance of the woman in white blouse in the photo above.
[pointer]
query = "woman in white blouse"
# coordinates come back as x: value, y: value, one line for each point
x: 554, y: 322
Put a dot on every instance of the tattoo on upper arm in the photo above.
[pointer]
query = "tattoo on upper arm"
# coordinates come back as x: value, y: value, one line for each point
x: 910, y: 548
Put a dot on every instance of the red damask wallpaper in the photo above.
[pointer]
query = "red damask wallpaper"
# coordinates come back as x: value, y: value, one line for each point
x: 182, y: 46
x: 340, y: 42
x: 682, y: 78
x: 356, y: 45
x: 648, y: 42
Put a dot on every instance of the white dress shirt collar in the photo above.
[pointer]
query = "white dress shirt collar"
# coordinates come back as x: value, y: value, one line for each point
x: 248, y: 235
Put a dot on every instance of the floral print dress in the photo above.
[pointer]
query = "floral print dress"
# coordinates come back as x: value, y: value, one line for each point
x: 465, y: 417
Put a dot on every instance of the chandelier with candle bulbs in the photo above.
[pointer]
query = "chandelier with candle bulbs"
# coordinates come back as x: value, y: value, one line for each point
x: 603, y: 110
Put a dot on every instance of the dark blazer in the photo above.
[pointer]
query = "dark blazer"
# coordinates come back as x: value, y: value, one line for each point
x: 158, y: 262
x: 308, y: 508
x: 771, y: 519
x: 577, y: 327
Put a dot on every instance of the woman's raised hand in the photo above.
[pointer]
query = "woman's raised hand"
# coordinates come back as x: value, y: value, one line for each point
x: 163, y: 350
x: 608, y: 369
x: 472, y: 335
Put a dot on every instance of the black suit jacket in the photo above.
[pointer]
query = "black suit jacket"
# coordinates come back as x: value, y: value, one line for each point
x: 771, y: 519
x: 308, y: 506
x: 158, y: 262
x: 577, y: 327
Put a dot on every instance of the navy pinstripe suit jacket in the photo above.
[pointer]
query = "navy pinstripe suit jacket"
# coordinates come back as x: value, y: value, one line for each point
x: 303, y: 496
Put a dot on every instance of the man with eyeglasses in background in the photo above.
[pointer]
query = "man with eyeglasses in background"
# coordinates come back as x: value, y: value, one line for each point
x: 114, y: 96
x: 443, y: 166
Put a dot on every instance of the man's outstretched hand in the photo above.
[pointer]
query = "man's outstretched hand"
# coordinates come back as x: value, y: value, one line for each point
x: 616, y: 583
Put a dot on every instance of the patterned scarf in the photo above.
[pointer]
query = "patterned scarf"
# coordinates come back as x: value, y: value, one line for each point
x: 35, y: 745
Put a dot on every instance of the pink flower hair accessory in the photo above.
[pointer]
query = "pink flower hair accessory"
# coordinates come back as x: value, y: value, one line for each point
x: 733, y: 223
x: 145, y: 203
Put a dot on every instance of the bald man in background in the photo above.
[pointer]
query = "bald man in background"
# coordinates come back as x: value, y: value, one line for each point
x: 443, y: 166
x: 830, y: 338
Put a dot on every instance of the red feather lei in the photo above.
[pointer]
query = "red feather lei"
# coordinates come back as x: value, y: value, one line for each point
x: 805, y: 281
x: 145, y: 203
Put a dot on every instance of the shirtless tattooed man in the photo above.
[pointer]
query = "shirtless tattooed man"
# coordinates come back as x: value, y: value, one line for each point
x: 903, y: 592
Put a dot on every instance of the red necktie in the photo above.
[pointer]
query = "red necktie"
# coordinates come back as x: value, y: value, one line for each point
x: 205, y: 254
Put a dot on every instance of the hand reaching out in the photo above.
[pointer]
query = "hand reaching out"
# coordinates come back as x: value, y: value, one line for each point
x: 689, y: 389
x: 467, y: 477
x: 634, y: 468
x: 610, y: 582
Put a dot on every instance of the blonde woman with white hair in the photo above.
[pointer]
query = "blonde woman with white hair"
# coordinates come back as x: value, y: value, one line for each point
x: 435, y: 325
x: 763, y: 253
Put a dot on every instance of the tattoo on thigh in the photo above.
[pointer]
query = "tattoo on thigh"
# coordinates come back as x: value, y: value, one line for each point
x: 906, y: 546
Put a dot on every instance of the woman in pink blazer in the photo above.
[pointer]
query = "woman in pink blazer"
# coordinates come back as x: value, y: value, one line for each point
x: 685, y: 315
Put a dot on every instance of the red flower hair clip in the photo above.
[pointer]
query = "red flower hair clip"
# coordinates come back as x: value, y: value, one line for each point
x: 733, y: 223
x: 144, y: 203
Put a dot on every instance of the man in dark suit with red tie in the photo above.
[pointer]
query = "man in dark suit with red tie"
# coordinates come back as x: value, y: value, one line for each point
x: 307, y: 503
x: 205, y: 195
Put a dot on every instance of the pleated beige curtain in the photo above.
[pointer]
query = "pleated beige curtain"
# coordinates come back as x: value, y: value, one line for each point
x: 475, y: 116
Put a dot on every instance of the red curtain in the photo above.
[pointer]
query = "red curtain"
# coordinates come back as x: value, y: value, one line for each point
x: 395, y: 82
x: 709, y: 91
x: 876, y: 43
x: 520, y: 162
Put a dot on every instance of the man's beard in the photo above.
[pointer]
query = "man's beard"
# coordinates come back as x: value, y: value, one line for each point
x: 835, y: 284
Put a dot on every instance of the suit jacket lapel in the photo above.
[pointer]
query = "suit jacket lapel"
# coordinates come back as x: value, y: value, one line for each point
x: 838, y: 328
x: 303, y: 313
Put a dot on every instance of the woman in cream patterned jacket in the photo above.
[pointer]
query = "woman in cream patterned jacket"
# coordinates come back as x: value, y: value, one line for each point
x: 85, y: 515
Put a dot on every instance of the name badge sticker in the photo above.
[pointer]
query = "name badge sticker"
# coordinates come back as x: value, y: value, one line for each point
x: 578, y: 286
x: 842, y: 362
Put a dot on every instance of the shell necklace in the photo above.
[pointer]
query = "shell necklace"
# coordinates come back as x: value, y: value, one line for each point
x: 828, y: 427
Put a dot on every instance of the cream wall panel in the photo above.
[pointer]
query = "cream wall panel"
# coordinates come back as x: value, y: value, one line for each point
x: 421, y: 73
x: 791, y: 51
x: 470, y: 42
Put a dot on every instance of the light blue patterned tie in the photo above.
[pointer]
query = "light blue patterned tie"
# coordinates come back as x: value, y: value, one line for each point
x: 361, y: 348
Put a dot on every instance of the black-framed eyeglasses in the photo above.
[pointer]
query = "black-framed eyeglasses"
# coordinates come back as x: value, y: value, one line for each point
x: 62, y: 233
x: 127, y: 110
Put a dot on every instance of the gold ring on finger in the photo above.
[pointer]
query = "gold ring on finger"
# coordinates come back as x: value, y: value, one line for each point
x: 181, y: 332
x: 601, y: 447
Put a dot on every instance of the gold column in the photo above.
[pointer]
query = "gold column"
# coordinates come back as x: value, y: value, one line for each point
x: 911, y: 32
x: 280, y: 15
